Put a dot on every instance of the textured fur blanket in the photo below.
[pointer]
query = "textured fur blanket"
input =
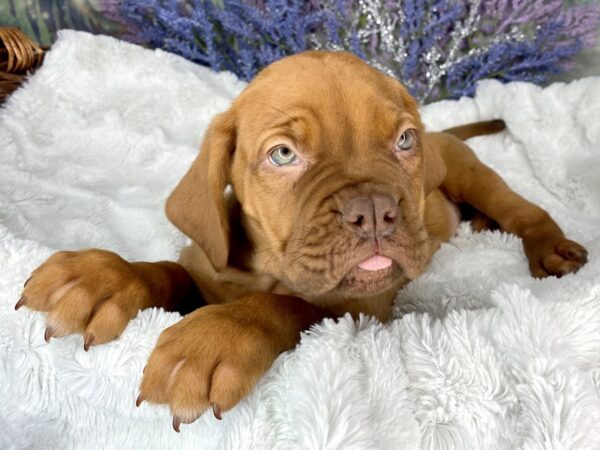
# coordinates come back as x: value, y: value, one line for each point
x: 480, y: 356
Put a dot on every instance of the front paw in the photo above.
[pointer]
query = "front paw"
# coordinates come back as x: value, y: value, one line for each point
x: 91, y: 292
x: 552, y: 254
x: 210, y: 359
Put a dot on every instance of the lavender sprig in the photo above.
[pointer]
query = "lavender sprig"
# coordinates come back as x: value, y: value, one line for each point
x: 437, y: 48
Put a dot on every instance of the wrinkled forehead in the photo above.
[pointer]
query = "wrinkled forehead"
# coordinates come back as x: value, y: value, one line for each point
x: 335, y: 92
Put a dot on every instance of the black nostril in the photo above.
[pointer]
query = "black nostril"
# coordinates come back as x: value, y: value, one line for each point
x: 358, y: 213
x: 371, y: 215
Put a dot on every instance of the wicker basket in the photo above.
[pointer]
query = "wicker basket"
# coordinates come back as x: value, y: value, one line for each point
x: 19, y: 55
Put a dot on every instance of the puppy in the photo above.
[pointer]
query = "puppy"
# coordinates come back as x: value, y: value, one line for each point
x: 338, y: 198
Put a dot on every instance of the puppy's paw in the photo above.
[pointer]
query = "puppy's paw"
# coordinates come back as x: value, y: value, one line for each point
x: 91, y: 292
x: 211, y: 359
x: 551, y: 254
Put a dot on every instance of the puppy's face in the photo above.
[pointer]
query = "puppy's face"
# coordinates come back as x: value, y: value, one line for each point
x: 328, y: 169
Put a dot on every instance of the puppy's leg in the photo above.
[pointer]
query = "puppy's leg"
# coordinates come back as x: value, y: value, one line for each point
x: 470, y: 181
x: 96, y: 292
x: 479, y: 221
x: 214, y: 356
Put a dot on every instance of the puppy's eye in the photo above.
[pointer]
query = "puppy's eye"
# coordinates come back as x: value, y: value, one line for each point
x: 282, y: 156
x: 406, y: 141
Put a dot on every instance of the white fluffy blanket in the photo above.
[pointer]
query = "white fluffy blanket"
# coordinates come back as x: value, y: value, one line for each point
x: 481, y: 355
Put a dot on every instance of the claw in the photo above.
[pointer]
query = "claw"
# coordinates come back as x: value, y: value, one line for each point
x: 176, y: 423
x: 48, y: 333
x: 577, y: 255
x: 217, y: 411
x: 88, y: 341
x: 27, y: 281
x: 20, y: 303
x: 139, y: 401
x: 572, y: 252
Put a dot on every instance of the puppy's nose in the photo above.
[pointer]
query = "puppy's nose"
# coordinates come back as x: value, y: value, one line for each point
x: 373, y: 215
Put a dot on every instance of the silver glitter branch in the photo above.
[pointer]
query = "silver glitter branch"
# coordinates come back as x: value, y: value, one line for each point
x: 378, y: 24
x: 438, y: 67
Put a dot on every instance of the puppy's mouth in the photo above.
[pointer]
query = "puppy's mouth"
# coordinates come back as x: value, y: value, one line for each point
x: 374, y: 274
x: 375, y: 263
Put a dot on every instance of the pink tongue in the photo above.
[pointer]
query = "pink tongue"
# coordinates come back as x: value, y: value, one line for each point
x: 376, y: 262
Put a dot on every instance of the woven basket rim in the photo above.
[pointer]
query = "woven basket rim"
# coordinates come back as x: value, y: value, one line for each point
x: 19, y: 56
x: 18, y: 53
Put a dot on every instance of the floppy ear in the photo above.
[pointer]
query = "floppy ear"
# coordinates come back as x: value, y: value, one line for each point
x: 434, y: 167
x: 197, y: 206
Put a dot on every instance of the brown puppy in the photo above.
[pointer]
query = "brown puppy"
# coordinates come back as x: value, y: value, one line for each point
x: 338, y: 198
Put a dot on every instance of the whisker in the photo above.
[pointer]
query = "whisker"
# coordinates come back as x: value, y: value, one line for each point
x: 433, y: 257
x: 276, y: 109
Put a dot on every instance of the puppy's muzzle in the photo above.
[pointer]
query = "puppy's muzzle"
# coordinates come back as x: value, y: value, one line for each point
x: 371, y: 215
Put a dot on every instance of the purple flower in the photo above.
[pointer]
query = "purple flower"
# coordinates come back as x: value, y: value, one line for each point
x: 438, y: 48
